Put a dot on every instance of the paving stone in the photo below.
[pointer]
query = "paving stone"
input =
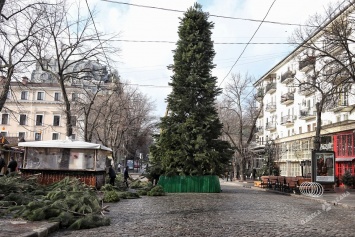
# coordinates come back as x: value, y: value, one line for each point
x: 237, y: 211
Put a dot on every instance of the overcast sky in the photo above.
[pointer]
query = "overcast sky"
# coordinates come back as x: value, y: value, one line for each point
x: 145, y: 64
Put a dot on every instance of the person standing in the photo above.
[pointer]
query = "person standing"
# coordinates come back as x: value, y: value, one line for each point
x: 126, y: 176
x: 12, y: 165
x: 2, y: 165
x: 119, y: 168
x: 112, y: 175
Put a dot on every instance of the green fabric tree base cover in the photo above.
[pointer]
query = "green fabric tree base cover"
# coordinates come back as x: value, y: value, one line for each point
x: 190, y: 184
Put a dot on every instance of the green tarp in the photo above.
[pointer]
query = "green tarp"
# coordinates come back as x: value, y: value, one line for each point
x: 190, y: 184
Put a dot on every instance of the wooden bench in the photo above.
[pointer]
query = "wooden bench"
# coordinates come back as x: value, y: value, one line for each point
x: 292, y: 184
x: 273, y: 180
x: 264, y: 181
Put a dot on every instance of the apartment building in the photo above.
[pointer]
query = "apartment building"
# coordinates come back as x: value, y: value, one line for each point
x: 34, y: 111
x: 289, y: 119
x: 34, y: 108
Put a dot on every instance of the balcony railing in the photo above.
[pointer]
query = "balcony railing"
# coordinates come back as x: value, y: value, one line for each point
x: 287, y: 77
x: 270, y: 126
x: 306, y: 89
x: 270, y: 87
x: 260, y: 130
x: 342, y: 106
x: 308, y: 113
x: 260, y: 94
x: 288, y: 98
x: 270, y: 107
x: 288, y: 120
x: 307, y: 63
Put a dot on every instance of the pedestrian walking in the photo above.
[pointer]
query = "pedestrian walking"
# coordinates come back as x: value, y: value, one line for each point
x: 2, y: 165
x: 112, y: 175
x: 12, y: 165
x: 126, y: 176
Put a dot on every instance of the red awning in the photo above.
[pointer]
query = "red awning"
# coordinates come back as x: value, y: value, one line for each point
x: 344, y: 159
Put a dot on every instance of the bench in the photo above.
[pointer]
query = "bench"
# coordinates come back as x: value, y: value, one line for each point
x: 264, y: 182
x: 292, y: 184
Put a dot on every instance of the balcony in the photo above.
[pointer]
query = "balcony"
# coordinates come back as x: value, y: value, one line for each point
x: 270, y: 107
x: 270, y: 87
x: 287, y: 77
x: 270, y: 126
x: 342, y: 106
x: 287, y: 98
x: 307, y: 64
x: 341, y: 77
x: 260, y: 94
x: 260, y: 130
x: 308, y: 113
x: 307, y: 89
x: 288, y: 120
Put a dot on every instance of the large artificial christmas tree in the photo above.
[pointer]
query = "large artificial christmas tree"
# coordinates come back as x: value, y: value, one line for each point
x: 188, y: 143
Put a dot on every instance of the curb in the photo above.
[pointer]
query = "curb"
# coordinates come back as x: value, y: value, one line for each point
x: 43, y: 231
x: 27, y: 229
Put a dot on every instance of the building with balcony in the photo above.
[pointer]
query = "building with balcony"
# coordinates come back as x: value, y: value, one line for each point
x: 34, y: 109
x: 290, y: 114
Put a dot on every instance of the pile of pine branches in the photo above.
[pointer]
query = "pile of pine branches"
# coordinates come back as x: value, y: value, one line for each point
x: 70, y: 202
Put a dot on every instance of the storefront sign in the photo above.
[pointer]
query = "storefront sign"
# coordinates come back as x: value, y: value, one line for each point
x: 323, y: 166
x: 328, y: 146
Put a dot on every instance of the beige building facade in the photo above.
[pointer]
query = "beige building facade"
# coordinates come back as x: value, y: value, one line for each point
x: 34, y: 111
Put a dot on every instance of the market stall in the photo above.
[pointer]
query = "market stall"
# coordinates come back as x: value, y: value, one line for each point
x: 57, y: 159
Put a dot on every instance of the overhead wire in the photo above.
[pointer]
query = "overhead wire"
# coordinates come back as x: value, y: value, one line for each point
x: 213, y: 15
x: 97, y: 34
x: 267, y: 13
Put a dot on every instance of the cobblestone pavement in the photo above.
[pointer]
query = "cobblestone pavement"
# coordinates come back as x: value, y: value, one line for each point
x: 237, y: 211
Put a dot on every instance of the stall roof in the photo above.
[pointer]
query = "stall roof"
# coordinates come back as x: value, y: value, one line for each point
x: 64, y: 144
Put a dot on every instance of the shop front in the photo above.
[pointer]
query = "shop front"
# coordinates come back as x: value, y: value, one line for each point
x: 344, y: 152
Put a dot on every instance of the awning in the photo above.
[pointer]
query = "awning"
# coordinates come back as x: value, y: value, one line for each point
x: 344, y: 159
x: 64, y: 144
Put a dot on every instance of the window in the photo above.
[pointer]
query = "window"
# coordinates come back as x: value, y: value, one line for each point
x: 55, y: 136
x: 73, y: 121
x: 23, y: 119
x: 57, y: 96
x: 24, y: 95
x: 73, y: 136
x: 40, y: 95
x: 56, y: 120
x: 5, y: 119
x: 39, y: 120
x: 21, y: 135
x: 38, y: 136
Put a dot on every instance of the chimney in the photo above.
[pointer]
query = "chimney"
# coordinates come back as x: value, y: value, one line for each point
x: 24, y: 80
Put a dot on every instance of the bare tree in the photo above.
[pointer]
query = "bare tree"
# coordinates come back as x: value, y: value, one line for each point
x: 20, y: 23
x: 238, y: 115
x: 123, y: 120
x: 67, y: 41
x: 329, y: 54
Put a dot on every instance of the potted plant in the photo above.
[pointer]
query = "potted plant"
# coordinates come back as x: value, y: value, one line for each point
x: 347, y: 179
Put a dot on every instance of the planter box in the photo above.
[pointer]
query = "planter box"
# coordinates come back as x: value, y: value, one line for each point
x: 190, y: 184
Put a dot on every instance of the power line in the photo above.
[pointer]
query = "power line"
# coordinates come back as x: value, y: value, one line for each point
x: 97, y: 34
x: 174, y: 42
x: 267, y: 13
x: 213, y: 15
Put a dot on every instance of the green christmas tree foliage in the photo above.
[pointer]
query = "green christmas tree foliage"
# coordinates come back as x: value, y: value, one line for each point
x: 189, y: 142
